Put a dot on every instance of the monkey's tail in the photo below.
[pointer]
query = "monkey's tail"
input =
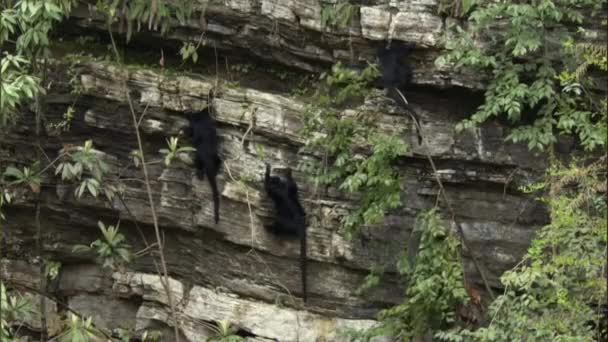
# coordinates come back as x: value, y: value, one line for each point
x: 303, y: 258
x: 216, y: 197
x: 412, y: 113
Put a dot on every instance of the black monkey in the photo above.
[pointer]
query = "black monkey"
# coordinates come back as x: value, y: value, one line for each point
x: 290, y: 217
x: 396, y: 75
x: 207, y: 160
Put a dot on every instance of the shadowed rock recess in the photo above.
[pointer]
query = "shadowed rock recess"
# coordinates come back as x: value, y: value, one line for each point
x: 236, y: 270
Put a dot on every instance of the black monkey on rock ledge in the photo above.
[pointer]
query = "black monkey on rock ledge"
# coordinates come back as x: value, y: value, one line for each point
x: 290, y: 218
x: 396, y: 74
x: 207, y: 161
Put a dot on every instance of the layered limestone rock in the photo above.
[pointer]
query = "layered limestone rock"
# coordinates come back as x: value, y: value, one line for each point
x: 236, y: 270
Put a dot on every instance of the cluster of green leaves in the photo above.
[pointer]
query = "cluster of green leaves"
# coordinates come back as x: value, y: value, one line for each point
x: 51, y: 268
x: 189, y: 51
x: 521, y: 47
x: 146, y: 336
x: 14, y: 310
x: 338, y: 15
x: 552, y: 294
x: 225, y: 332
x: 16, y: 85
x: 14, y: 179
x: 26, y: 24
x: 345, y: 139
x: 455, y: 8
x: 434, y: 287
x: 77, y: 329
x: 153, y: 14
x: 28, y: 176
x: 86, y: 166
x: 113, y: 251
x: 582, y: 112
x: 173, y: 151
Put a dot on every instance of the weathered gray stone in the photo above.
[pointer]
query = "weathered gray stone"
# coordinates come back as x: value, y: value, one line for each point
x: 107, y: 312
x: 77, y: 279
x: 237, y: 270
x: 267, y: 321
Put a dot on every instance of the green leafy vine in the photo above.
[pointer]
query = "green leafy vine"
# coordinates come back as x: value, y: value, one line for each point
x: 356, y: 155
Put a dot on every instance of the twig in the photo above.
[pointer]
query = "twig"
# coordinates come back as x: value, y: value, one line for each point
x: 143, y: 114
x: 164, y: 278
x: 252, y: 121
x: 42, y: 285
x: 447, y: 201
x: 159, y: 240
x: 52, y: 163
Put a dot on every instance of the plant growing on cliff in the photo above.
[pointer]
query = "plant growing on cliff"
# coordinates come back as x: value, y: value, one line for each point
x: 86, y: 166
x: 433, y: 285
x: 16, y: 86
x: 224, y: 332
x: 26, y: 24
x: 79, y: 330
x: 29, y: 176
x: 13, y: 310
x: 155, y: 15
x: 338, y: 15
x: 356, y: 155
x: 173, y: 151
x: 113, y: 251
x: 522, y: 47
x: 557, y: 291
x: 559, y: 287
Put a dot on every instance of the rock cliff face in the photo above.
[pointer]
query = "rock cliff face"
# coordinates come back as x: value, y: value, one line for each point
x: 236, y: 270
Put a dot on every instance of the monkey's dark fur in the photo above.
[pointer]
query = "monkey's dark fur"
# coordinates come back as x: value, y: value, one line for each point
x: 396, y: 75
x: 290, y: 218
x: 207, y: 161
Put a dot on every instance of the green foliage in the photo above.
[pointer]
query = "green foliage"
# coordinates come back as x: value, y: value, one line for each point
x: 174, y: 150
x: 371, y: 280
x: 224, y: 332
x: 31, y: 22
x: 147, y: 336
x: 113, y: 251
x: 433, y: 286
x: 14, y: 310
x: 189, y: 51
x: 338, y: 15
x: 341, y: 137
x: 151, y: 336
x: 66, y: 122
x: 582, y: 112
x: 79, y: 330
x: 16, y: 86
x: 29, y: 176
x: 27, y: 23
x: 154, y: 15
x: 539, y: 64
x: 455, y: 8
x: 551, y: 295
x: 521, y: 46
x: 87, y: 167
x: 51, y: 268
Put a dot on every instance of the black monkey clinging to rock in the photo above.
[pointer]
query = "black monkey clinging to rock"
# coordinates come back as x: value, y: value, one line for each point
x: 207, y: 161
x: 396, y: 75
x: 290, y: 217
